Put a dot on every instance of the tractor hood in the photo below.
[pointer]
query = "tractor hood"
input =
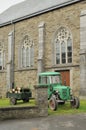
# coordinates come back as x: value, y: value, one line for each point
x: 59, y: 86
x: 63, y: 91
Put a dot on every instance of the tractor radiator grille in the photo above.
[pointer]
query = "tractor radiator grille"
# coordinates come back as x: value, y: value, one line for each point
x: 64, y: 93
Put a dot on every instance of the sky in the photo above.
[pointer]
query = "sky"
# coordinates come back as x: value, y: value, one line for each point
x: 4, y: 4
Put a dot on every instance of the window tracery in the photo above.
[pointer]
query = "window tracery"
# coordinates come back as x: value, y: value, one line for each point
x: 27, y: 52
x: 63, y: 46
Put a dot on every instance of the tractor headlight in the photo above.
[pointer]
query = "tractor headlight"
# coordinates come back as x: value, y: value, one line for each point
x: 56, y: 91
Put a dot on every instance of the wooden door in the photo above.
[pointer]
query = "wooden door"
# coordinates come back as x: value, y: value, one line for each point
x: 65, y: 77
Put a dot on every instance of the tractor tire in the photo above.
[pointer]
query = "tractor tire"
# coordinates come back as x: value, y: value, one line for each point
x: 75, y: 103
x: 26, y: 100
x: 53, y: 104
x: 13, y: 101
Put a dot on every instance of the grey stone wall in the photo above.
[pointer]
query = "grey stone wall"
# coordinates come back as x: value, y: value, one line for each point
x: 18, y: 112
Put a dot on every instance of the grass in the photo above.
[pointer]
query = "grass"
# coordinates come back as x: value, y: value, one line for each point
x: 6, y: 103
x: 66, y: 109
x: 62, y: 109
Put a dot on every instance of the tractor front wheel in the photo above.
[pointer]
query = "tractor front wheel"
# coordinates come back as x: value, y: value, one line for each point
x: 53, y: 104
x: 75, y: 103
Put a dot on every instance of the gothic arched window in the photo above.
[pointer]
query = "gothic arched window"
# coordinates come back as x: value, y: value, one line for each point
x: 63, y: 46
x: 27, y: 52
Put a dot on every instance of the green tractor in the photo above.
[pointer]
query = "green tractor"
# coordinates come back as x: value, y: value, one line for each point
x: 57, y: 93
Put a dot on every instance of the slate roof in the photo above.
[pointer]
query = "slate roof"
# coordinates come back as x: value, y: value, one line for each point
x: 30, y: 8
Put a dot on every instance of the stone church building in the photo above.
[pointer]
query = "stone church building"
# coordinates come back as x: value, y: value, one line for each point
x: 43, y: 35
